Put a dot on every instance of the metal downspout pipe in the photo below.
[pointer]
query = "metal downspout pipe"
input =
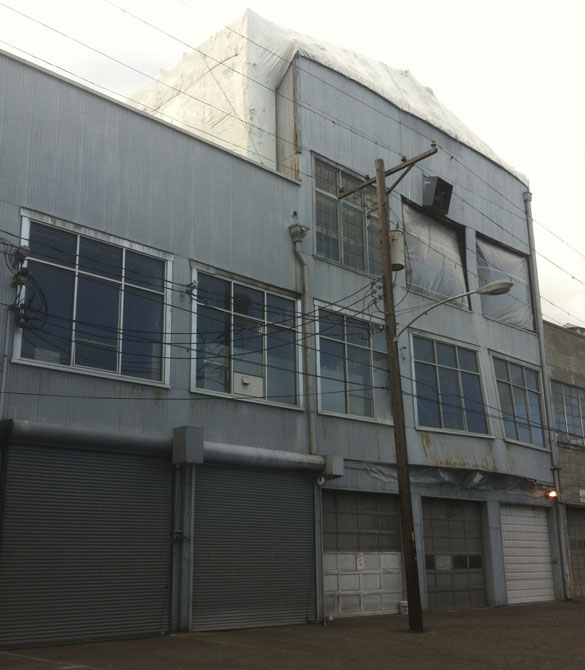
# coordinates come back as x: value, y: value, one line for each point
x: 5, y: 359
x: 297, y: 233
x: 549, y: 427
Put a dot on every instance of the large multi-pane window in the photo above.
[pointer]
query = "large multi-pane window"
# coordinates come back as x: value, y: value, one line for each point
x: 569, y: 410
x: 353, y: 369
x: 448, y: 387
x: 89, y: 304
x: 347, y: 231
x: 246, y: 341
x: 495, y: 262
x: 520, y: 401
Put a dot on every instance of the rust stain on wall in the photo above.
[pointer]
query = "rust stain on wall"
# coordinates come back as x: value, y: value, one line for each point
x: 445, y: 452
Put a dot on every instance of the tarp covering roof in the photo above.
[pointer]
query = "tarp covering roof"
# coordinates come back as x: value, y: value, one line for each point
x: 225, y: 89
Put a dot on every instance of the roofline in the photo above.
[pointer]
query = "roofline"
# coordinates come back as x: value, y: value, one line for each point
x: 150, y: 117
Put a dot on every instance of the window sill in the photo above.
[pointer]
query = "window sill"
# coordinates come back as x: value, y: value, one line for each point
x: 356, y: 417
x: 254, y: 401
x: 101, y: 374
x: 528, y: 445
x: 451, y: 431
x: 337, y: 264
x: 523, y: 329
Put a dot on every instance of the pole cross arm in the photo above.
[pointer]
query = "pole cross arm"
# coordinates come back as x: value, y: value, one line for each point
x: 406, y: 165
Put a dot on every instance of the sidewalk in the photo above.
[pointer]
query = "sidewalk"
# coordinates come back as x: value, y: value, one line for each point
x: 550, y: 635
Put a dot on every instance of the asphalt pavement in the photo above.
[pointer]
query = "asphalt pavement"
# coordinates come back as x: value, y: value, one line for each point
x: 550, y: 635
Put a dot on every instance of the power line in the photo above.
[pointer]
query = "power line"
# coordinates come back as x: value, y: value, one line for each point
x: 353, y: 130
x: 463, y: 200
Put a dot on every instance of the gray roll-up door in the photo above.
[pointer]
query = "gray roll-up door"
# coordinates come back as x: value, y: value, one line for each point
x: 576, y: 528
x: 85, y: 549
x: 254, y: 548
x: 454, y: 563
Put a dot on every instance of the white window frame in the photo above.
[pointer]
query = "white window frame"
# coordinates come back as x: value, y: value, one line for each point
x: 369, y: 320
x: 29, y: 216
x: 538, y: 371
x: 455, y: 343
x: 244, y: 281
x: 340, y: 204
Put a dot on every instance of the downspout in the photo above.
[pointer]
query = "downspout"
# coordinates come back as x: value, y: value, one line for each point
x: 549, y: 424
x: 5, y: 359
x: 298, y: 233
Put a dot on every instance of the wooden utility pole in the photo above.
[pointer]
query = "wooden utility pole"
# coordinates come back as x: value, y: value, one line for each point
x: 415, y: 618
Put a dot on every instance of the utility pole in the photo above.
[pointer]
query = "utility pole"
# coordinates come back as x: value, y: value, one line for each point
x: 415, y: 618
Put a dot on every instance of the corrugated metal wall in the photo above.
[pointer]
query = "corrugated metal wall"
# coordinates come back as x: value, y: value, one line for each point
x: 254, y: 548
x: 85, y: 549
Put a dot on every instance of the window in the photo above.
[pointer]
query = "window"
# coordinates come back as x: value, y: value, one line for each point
x: 448, y: 387
x: 519, y: 392
x: 353, y: 368
x: 434, y: 252
x: 494, y: 262
x: 346, y: 230
x: 569, y: 410
x: 246, y: 341
x: 93, y: 305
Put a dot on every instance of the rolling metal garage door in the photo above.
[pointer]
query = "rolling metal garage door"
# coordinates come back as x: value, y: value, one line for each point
x: 527, y: 556
x: 85, y: 546
x: 453, y: 554
x: 254, y: 548
x: 576, y: 527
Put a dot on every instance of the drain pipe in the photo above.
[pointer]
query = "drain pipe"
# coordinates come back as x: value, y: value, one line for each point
x: 297, y: 234
x: 549, y: 428
x: 4, y: 361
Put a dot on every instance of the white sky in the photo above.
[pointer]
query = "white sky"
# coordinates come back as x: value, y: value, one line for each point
x: 512, y: 70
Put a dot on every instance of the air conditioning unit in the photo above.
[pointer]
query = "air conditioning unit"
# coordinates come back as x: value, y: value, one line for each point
x: 437, y: 194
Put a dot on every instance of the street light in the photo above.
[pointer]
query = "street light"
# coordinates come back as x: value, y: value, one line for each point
x: 498, y: 287
x: 406, y: 515
x: 415, y: 619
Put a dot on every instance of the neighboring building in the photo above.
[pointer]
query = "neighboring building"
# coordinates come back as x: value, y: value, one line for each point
x: 197, y: 427
x: 565, y: 349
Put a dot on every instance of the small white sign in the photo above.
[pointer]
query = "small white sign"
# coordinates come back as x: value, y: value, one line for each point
x: 443, y: 563
x: 582, y: 495
x: 359, y: 561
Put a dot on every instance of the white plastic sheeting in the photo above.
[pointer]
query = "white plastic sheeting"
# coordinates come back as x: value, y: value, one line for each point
x: 225, y: 90
x: 433, y: 258
x: 494, y: 262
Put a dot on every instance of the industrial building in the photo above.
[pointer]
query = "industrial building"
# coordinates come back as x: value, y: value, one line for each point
x: 565, y: 350
x: 197, y: 430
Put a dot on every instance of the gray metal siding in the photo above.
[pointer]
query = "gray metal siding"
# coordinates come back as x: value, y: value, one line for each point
x: 85, y: 547
x: 254, y: 548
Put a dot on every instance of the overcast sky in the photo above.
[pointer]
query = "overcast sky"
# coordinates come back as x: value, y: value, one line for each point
x: 511, y: 70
